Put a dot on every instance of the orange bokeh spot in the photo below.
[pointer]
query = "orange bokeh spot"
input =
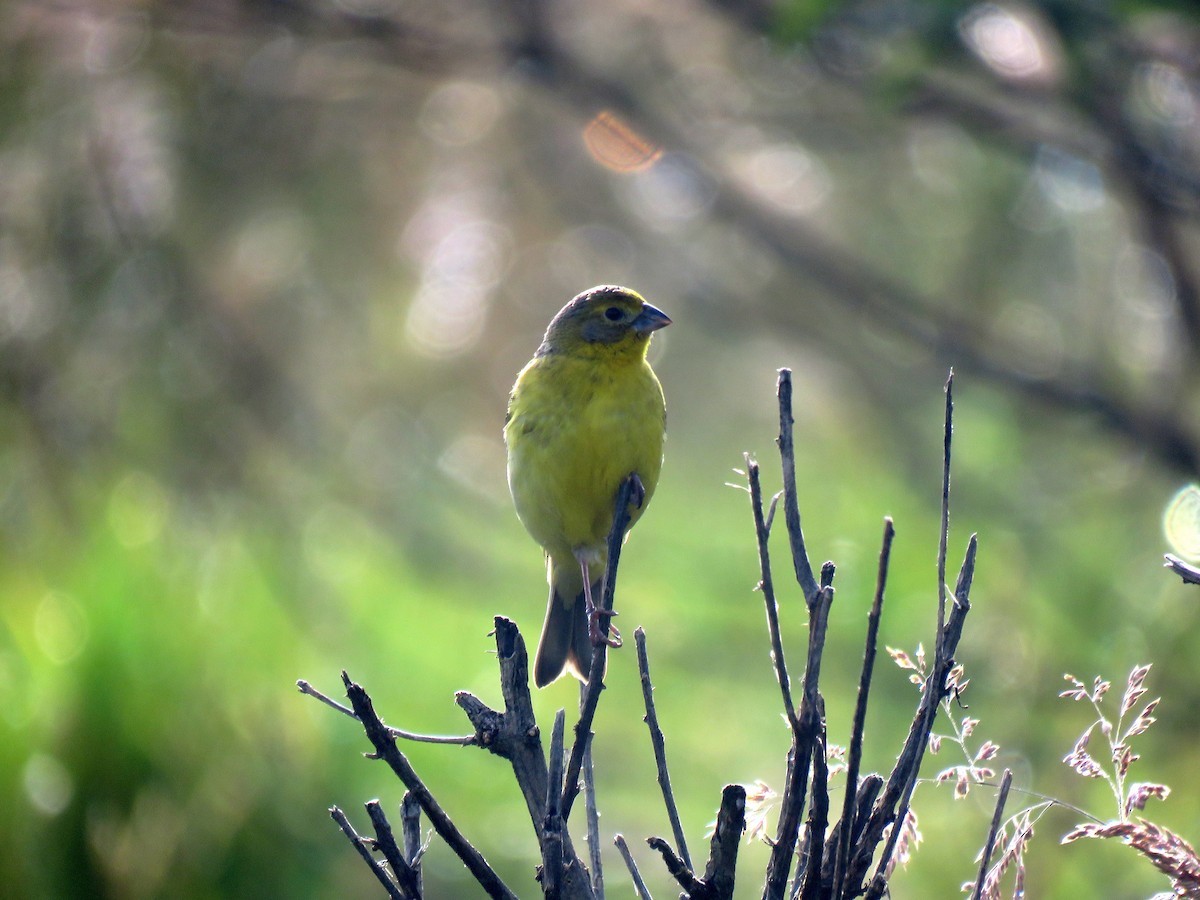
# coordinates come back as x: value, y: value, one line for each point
x: 616, y: 146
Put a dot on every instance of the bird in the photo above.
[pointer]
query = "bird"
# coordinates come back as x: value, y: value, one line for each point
x: 585, y: 414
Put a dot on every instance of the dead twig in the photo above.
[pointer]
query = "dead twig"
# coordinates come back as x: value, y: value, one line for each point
x: 990, y: 844
x: 944, y: 533
x: 552, y: 844
x: 791, y: 499
x: 639, y: 884
x: 464, y: 740
x: 385, y: 842
x: 658, y: 742
x: 591, y: 697
x: 410, y: 826
x: 360, y: 845
x: 514, y: 736
x: 1189, y: 574
x: 767, y: 586
x: 385, y: 748
x: 854, y: 756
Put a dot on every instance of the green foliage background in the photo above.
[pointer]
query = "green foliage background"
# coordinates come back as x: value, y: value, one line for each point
x: 267, y: 272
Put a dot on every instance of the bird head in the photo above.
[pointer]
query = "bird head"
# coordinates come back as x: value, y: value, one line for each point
x: 604, y: 320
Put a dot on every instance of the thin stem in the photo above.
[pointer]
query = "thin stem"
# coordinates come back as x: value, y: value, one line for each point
x: 465, y: 740
x: 1189, y: 574
x: 410, y: 826
x: 385, y: 841
x: 592, y: 816
x: 658, y: 742
x: 385, y: 749
x: 681, y: 872
x: 854, y: 756
x: 997, y: 817
x: 766, y: 585
x: 591, y: 696
x: 791, y: 503
x: 945, y: 526
x: 807, y: 732
x: 359, y: 844
x: 639, y: 885
x: 552, y: 843
x: 818, y: 822
x: 892, y: 805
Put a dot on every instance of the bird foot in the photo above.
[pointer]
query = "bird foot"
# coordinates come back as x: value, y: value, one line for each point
x: 606, y: 634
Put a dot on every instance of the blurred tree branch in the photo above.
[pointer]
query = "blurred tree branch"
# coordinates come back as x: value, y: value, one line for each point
x: 1083, y: 109
x: 936, y: 325
x: 1022, y: 119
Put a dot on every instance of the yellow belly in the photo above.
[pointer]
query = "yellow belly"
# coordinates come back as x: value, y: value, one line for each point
x: 575, y: 433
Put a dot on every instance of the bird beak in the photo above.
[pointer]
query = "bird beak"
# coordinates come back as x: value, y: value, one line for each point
x: 650, y: 319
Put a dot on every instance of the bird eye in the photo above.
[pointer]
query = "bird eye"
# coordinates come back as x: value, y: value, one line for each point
x: 613, y: 313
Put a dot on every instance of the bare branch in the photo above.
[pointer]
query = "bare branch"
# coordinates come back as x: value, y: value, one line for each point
x: 465, y: 740
x: 892, y: 805
x: 806, y: 732
x: 997, y: 818
x: 639, y: 885
x: 680, y: 871
x: 591, y: 696
x: 552, y: 843
x: 766, y: 585
x: 512, y: 734
x: 791, y: 502
x: 719, y: 874
x: 385, y: 748
x: 360, y: 845
x: 410, y: 825
x: 1189, y: 574
x: 658, y: 742
x: 944, y: 533
x: 592, y: 815
x: 818, y: 822
x: 385, y: 841
x: 854, y: 757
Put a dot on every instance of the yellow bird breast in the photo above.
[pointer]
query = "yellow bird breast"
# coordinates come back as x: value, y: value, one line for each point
x: 577, y: 429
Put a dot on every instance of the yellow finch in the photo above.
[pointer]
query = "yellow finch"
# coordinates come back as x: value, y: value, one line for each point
x: 585, y: 414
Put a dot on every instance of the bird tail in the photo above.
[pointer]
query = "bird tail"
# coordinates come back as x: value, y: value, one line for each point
x: 565, y: 644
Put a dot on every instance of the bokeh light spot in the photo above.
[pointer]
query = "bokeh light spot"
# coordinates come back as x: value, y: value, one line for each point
x: 48, y: 784
x: 268, y: 253
x: 1009, y: 41
x: 1181, y: 522
x: 61, y: 627
x: 790, y: 177
x: 616, y: 146
x: 137, y: 509
x: 459, y: 272
x: 1168, y: 94
x: 1070, y: 183
x: 477, y: 462
x: 943, y: 156
x: 115, y: 43
x: 670, y: 195
x: 460, y: 113
x: 338, y: 544
x: 1033, y: 339
x: 1143, y: 279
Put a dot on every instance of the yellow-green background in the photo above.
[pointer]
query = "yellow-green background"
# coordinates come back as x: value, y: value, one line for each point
x: 267, y: 272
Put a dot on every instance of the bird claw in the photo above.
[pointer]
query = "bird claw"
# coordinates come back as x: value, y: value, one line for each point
x: 603, y: 635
